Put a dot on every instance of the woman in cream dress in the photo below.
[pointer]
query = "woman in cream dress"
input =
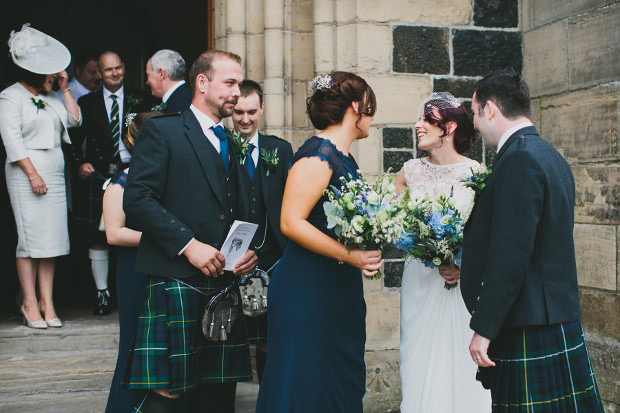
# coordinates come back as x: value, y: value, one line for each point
x: 33, y: 122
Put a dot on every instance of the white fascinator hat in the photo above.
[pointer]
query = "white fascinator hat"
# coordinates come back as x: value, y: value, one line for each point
x: 37, y: 52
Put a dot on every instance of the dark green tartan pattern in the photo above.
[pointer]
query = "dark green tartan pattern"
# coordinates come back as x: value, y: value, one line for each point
x: 257, y: 328
x: 170, y: 351
x: 543, y: 369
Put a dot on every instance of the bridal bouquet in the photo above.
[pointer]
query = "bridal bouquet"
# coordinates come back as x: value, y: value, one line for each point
x: 364, y: 216
x: 433, y: 233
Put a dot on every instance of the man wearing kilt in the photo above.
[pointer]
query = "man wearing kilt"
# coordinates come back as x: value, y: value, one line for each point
x: 519, y: 276
x: 184, y: 192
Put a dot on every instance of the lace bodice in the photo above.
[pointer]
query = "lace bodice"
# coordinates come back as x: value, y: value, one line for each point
x: 425, y: 179
x: 340, y: 165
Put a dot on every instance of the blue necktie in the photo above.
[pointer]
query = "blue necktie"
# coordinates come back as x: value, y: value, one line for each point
x: 221, y: 135
x: 249, y: 161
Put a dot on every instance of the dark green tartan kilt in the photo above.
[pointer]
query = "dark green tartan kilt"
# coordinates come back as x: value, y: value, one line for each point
x: 170, y: 351
x: 542, y: 369
x: 89, y: 207
x: 257, y: 328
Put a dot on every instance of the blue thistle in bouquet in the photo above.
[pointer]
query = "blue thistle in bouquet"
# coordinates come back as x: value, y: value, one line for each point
x: 362, y: 215
x: 433, y: 232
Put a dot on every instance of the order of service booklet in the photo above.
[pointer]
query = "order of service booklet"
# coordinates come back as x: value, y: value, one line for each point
x: 237, y: 242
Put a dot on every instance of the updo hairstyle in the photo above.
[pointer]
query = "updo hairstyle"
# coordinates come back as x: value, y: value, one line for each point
x: 327, y: 106
x: 464, y: 135
x: 132, y: 130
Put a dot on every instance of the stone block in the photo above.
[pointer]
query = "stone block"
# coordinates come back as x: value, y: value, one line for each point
x: 373, y: 48
x: 444, y: 12
x: 476, y: 151
x: 346, y: 47
x: 583, y: 123
x: 545, y: 11
x: 301, y: 15
x: 324, y: 48
x: 600, y: 311
x: 594, y: 49
x: 395, y: 93
x: 420, y: 49
x: 255, y: 61
x: 398, y: 138
x: 477, y: 52
x: 219, y: 19
x: 597, y: 189
x: 496, y: 13
x: 595, y: 249
x: 345, y: 10
x: 393, y: 273
x: 369, y: 158
x: 605, y: 357
x: 536, y: 113
x: 323, y: 11
x: 274, y: 16
x: 395, y: 159
x: 302, y: 51
x: 274, y: 53
x: 383, y: 392
x: 525, y: 15
x: 382, y: 319
x: 390, y: 252
x: 372, y: 285
x: 300, y: 119
x: 236, y: 16
x: 220, y: 44
x: 461, y: 88
x: 255, y: 17
x: 298, y: 137
x: 545, y: 60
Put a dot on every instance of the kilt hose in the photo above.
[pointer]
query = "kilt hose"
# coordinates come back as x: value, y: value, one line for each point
x: 170, y: 351
x: 542, y: 369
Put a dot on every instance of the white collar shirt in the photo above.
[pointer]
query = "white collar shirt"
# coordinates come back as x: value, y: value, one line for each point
x: 509, y: 133
x: 255, y: 152
x: 206, y: 123
x: 120, y: 96
x: 171, y: 91
x: 77, y: 90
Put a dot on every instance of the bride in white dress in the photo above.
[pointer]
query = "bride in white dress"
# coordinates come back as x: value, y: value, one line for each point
x: 436, y: 369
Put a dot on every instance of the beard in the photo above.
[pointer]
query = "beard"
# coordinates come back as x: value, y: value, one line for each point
x: 221, y: 110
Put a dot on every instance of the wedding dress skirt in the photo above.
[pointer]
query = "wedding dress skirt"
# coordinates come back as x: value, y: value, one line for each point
x: 437, y: 372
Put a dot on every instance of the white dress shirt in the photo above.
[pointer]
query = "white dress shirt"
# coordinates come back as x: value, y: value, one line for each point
x: 509, y: 133
x: 120, y: 96
x: 77, y: 90
x: 171, y: 90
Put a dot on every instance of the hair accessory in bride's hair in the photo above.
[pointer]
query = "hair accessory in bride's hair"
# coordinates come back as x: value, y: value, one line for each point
x: 438, y: 100
x: 323, y: 81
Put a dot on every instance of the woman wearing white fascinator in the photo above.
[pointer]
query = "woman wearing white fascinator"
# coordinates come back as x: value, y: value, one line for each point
x: 33, y: 123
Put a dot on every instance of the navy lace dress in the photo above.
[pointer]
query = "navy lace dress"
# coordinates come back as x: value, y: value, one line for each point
x: 131, y: 293
x: 317, y: 331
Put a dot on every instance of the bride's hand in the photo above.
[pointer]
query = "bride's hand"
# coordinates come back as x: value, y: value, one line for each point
x: 368, y: 261
x: 449, y: 273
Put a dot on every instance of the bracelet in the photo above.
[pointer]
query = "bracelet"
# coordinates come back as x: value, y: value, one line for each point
x: 340, y: 256
x: 65, y: 90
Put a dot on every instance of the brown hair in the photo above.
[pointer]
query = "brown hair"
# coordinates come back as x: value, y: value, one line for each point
x: 204, y: 65
x: 132, y: 130
x: 464, y: 134
x: 247, y: 87
x: 327, y: 106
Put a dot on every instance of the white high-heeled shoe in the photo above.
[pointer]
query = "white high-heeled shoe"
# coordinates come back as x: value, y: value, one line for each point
x: 54, y: 322
x: 32, y: 324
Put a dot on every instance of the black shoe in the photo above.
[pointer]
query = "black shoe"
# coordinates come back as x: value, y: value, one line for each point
x: 102, y: 307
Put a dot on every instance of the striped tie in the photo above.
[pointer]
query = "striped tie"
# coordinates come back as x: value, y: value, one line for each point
x: 115, y: 127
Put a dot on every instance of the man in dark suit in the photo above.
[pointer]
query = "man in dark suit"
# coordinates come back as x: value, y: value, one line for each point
x: 519, y: 277
x: 165, y: 74
x: 184, y: 192
x: 105, y: 154
x: 265, y: 186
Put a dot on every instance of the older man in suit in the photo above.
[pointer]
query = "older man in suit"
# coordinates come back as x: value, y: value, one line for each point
x: 266, y: 178
x: 105, y: 154
x: 165, y: 74
x: 519, y: 277
x: 184, y: 191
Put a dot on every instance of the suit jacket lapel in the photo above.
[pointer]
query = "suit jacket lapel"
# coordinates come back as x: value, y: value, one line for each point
x: 205, y: 152
x: 528, y: 130
x: 102, y: 114
x: 261, y: 167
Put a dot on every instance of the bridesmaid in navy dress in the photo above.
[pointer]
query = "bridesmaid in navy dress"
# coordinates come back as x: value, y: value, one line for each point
x: 317, y: 331
x: 130, y: 284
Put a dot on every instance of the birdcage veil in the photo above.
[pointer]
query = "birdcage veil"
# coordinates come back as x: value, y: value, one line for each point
x: 438, y: 100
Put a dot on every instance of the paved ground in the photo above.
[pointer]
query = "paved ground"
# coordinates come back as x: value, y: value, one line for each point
x: 67, y: 369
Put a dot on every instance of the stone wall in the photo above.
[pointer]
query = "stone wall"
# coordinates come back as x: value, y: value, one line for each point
x: 407, y: 49
x: 571, y: 62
